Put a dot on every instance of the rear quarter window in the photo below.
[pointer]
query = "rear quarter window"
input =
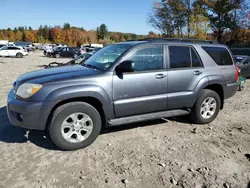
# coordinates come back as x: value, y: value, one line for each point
x: 220, y: 55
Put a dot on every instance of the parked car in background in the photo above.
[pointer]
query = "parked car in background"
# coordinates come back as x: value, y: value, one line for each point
x: 49, y: 51
x: 66, y: 52
x: 79, y: 60
x: 243, y: 62
x: 23, y: 44
x: 94, y: 51
x: 1, y: 45
x: 12, y: 51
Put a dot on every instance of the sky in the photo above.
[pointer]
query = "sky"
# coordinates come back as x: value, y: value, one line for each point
x: 119, y: 15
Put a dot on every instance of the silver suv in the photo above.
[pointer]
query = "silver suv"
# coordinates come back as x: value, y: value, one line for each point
x: 125, y: 83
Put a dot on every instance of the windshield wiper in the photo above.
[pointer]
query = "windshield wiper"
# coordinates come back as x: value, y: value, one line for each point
x: 92, y: 66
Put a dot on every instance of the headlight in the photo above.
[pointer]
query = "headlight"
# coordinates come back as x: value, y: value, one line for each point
x: 26, y: 90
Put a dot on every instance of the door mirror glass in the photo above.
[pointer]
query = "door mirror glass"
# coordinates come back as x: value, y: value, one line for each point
x: 125, y: 66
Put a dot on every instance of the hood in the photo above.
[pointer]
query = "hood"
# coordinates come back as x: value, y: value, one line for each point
x: 56, y: 74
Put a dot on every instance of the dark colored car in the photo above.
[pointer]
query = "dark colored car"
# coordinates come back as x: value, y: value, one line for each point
x: 243, y: 62
x: 79, y: 60
x: 125, y: 83
x: 66, y: 52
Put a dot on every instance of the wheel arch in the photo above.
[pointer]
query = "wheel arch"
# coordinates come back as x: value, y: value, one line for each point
x: 96, y: 103
x: 218, y: 88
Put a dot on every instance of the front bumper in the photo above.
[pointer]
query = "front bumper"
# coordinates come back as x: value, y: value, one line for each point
x: 25, y: 113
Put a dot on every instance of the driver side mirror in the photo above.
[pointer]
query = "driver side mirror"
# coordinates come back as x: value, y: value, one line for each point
x: 126, y: 66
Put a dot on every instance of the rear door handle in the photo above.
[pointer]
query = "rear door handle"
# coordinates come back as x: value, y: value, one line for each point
x: 197, y: 72
x: 160, y: 76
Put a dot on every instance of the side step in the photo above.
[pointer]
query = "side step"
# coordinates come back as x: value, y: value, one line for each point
x: 146, y: 117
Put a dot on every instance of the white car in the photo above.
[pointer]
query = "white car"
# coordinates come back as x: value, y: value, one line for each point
x: 12, y: 51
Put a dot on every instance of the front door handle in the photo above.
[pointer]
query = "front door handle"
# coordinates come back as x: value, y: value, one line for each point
x: 160, y: 76
x: 197, y: 73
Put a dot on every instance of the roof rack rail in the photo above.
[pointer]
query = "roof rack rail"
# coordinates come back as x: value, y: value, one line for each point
x: 178, y: 40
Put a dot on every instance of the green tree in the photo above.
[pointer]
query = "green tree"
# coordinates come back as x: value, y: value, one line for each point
x: 102, y: 32
x: 126, y: 36
x: 30, y: 28
x: 133, y: 36
x: 45, y: 32
x: 15, y: 30
x: 198, y: 23
x: 21, y: 28
x: 169, y: 17
x: 220, y: 15
x: 66, y: 26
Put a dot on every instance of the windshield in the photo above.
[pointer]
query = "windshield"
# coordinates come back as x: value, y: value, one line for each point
x: 106, y: 57
x: 238, y: 59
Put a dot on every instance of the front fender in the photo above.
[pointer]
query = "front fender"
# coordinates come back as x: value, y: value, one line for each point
x: 71, y: 92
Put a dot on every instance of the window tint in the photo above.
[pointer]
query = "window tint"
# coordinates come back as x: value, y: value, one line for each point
x: 4, y: 48
x: 13, y: 48
x: 196, y: 62
x: 220, y: 55
x: 148, y: 58
x: 179, y: 57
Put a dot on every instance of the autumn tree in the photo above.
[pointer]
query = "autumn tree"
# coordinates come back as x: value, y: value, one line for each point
x: 19, y: 36
x: 29, y: 36
x: 151, y: 34
x: 11, y: 35
x: 56, y: 34
x: 2, y: 35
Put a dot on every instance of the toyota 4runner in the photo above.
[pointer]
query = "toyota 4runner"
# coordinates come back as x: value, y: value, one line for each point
x: 125, y: 83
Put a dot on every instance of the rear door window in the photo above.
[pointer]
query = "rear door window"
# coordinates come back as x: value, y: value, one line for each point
x: 220, y: 55
x: 179, y: 57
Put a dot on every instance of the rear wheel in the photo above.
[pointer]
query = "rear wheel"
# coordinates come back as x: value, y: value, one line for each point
x: 19, y: 55
x: 75, y: 56
x: 57, y: 56
x: 206, y: 108
x: 75, y: 125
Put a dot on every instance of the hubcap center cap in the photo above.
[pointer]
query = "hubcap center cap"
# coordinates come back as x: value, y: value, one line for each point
x: 77, y: 126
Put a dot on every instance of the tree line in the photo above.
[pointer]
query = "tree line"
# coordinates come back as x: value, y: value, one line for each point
x: 227, y: 21
x: 66, y: 34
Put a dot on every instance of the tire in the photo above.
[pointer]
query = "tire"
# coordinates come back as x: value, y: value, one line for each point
x: 196, y: 114
x: 19, y: 55
x: 57, y: 56
x: 75, y: 56
x: 61, y: 114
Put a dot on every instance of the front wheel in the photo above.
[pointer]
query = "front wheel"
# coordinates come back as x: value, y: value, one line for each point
x: 19, y: 55
x: 75, y: 125
x: 206, y: 108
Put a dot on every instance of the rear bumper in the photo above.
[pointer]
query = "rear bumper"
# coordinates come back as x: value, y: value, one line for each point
x: 230, y: 90
x: 25, y: 114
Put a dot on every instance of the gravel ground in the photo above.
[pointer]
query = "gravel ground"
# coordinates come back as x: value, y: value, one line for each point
x: 162, y: 153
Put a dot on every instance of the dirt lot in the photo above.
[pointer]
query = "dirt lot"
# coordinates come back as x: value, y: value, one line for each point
x: 162, y: 153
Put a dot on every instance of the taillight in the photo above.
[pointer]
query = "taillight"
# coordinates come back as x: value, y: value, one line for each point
x: 236, y: 73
